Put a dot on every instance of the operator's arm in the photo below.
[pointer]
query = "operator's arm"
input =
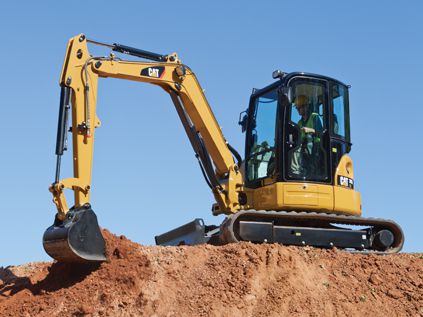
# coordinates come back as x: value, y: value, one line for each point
x: 308, y: 130
x: 316, y: 125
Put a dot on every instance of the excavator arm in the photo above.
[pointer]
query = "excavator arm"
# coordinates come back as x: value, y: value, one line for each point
x: 79, y: 81
x: 75, y: 235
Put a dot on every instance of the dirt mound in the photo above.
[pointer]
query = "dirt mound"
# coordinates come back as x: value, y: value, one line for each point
x: 232, y: 280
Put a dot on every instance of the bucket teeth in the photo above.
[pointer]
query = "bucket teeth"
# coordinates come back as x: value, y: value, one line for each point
x: 76, y: 239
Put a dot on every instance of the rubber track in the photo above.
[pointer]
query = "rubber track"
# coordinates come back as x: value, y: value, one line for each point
x: 228, y: 235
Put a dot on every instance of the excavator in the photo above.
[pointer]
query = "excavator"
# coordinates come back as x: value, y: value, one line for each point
x: 295, y: 185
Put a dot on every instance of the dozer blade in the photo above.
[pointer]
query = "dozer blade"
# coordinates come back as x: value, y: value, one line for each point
x: 192, y: 233
x: 76, y: 239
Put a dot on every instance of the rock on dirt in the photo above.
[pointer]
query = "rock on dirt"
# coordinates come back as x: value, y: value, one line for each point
x: 233, y: 280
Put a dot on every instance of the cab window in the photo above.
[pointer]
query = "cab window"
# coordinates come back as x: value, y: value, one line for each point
x: 261, y: 150
x: 340, y: 114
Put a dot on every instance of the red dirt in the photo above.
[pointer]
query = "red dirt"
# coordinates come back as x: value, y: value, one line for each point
x: 232, y: 280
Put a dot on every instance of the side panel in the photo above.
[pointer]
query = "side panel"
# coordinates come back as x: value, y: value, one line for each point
x: 308, y: 196
x: 347, y: 200
x: 301, y: 195
x: 268, y: 197
x: 293, y: 196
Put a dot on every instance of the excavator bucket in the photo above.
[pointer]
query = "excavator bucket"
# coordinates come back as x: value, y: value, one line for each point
x: 76, y: 239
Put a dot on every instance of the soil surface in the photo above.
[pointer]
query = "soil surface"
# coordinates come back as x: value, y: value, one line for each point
x: 233, y: 280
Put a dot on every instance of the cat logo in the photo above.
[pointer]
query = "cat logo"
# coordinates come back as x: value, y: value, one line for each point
x: 153, y: 72
x: 156, y: 72
x: 345, y: 182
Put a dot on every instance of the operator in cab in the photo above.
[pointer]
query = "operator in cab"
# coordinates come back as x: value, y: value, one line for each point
x: 305, y: 156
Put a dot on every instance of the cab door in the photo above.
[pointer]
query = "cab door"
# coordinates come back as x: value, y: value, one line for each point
x: 307, y: 154
x: 307, y: 157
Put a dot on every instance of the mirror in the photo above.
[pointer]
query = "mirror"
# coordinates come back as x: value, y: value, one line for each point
x: 243, y: 121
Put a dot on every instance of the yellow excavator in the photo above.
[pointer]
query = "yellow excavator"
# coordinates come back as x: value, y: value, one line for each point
x: 295, y: 185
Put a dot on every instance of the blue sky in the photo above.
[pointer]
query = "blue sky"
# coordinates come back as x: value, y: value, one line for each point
x: 146, y: 179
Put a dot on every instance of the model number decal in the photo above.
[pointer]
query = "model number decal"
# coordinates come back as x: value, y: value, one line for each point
x: 156, y: 72
x: 345, y: 182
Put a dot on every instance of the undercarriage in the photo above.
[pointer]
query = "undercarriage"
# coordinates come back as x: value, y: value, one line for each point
x: 293, y: 228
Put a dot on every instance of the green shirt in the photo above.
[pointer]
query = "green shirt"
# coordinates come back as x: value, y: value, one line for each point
x: 312, y: 122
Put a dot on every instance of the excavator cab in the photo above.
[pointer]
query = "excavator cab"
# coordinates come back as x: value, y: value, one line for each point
x: 297, y: 130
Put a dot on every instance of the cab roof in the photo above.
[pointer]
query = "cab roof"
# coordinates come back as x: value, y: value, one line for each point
x: 288, y: 76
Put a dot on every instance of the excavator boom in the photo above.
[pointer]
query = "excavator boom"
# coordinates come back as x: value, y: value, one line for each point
x: 75, y: 235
